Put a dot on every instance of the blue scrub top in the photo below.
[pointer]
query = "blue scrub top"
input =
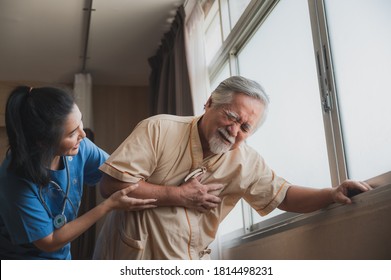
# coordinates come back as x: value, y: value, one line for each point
x: 26, y: 213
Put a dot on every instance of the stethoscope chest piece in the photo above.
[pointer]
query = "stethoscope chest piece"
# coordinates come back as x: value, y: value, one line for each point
x: 59, y: 221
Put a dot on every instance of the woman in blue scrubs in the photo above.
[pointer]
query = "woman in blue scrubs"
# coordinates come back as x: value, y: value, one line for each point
x: 41, y: 179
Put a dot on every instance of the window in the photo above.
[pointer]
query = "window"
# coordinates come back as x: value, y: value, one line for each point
x: 213, y: 36
x: 360, y: 40
x: 223, y: 74
x: 236, y: 9
x: 219, y: 22
x: 280, y: 57
x: 325, y: 65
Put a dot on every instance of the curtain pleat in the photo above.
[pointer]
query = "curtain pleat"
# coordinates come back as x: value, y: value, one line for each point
x: 170, y: 91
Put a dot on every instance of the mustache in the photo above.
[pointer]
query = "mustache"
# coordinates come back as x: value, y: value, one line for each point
x: 226, y: 135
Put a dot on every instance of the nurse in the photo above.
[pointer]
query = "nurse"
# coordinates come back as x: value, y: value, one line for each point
x: 42, y: 176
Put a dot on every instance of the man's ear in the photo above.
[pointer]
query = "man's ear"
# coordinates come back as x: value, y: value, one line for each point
x: 208, y: 103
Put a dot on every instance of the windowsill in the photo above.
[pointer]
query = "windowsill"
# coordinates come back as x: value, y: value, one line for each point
x: 381, y: 194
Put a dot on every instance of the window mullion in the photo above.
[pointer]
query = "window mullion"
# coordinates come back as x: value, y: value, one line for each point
x: 255, y: 13
x: 248, y: 221
x: 331, y: 117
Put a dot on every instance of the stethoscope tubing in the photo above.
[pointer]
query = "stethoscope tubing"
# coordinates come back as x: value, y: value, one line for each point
x: 62, y: 216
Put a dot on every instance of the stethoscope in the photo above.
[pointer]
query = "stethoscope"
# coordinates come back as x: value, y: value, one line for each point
x: 59, y: 220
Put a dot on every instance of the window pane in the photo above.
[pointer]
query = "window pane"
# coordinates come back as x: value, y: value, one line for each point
x: 281, y: 57
x: 360, y: 37
x: 213, y: 37
x: 225, y: 18
x: 236, y: 9
x: 223, y: 74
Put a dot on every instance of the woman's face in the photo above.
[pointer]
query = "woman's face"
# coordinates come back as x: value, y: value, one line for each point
x: 73, y: 134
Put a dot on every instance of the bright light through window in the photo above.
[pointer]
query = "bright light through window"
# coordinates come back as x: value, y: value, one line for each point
x: 280, y: 56
x: 360, y: 36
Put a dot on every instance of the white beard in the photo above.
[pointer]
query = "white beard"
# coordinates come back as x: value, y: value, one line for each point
x: 218, y: 145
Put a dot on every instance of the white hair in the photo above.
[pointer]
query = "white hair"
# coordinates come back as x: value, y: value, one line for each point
x: 225, y: 91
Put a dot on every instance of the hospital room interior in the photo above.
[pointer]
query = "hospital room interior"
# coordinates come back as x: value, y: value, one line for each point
x: 325, y: 64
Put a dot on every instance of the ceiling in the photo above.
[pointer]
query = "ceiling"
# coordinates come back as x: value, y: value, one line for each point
x: 44, y: 40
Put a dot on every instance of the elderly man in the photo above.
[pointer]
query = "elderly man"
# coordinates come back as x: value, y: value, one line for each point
x: 198, y: 168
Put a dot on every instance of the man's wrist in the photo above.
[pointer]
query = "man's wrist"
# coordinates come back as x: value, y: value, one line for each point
x: 174, y: 196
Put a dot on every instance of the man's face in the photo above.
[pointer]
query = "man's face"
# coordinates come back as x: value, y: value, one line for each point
x: 225, y: 127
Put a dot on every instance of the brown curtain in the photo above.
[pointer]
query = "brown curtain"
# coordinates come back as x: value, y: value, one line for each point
x: 82, y: 247
x: 170, y: 91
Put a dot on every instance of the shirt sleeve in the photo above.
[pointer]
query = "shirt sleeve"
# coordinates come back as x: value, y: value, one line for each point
x: 136, y: 158
x: 268, y: 191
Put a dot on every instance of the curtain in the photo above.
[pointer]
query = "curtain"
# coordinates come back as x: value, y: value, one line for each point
x: 195, y: 54
x: 170, y: 91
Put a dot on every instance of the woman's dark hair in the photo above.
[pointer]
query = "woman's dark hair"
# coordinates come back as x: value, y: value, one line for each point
x: 34, y: 119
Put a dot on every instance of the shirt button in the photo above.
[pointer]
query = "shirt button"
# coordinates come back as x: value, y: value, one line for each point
x: 74, y: 181
x: 70, y: 158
